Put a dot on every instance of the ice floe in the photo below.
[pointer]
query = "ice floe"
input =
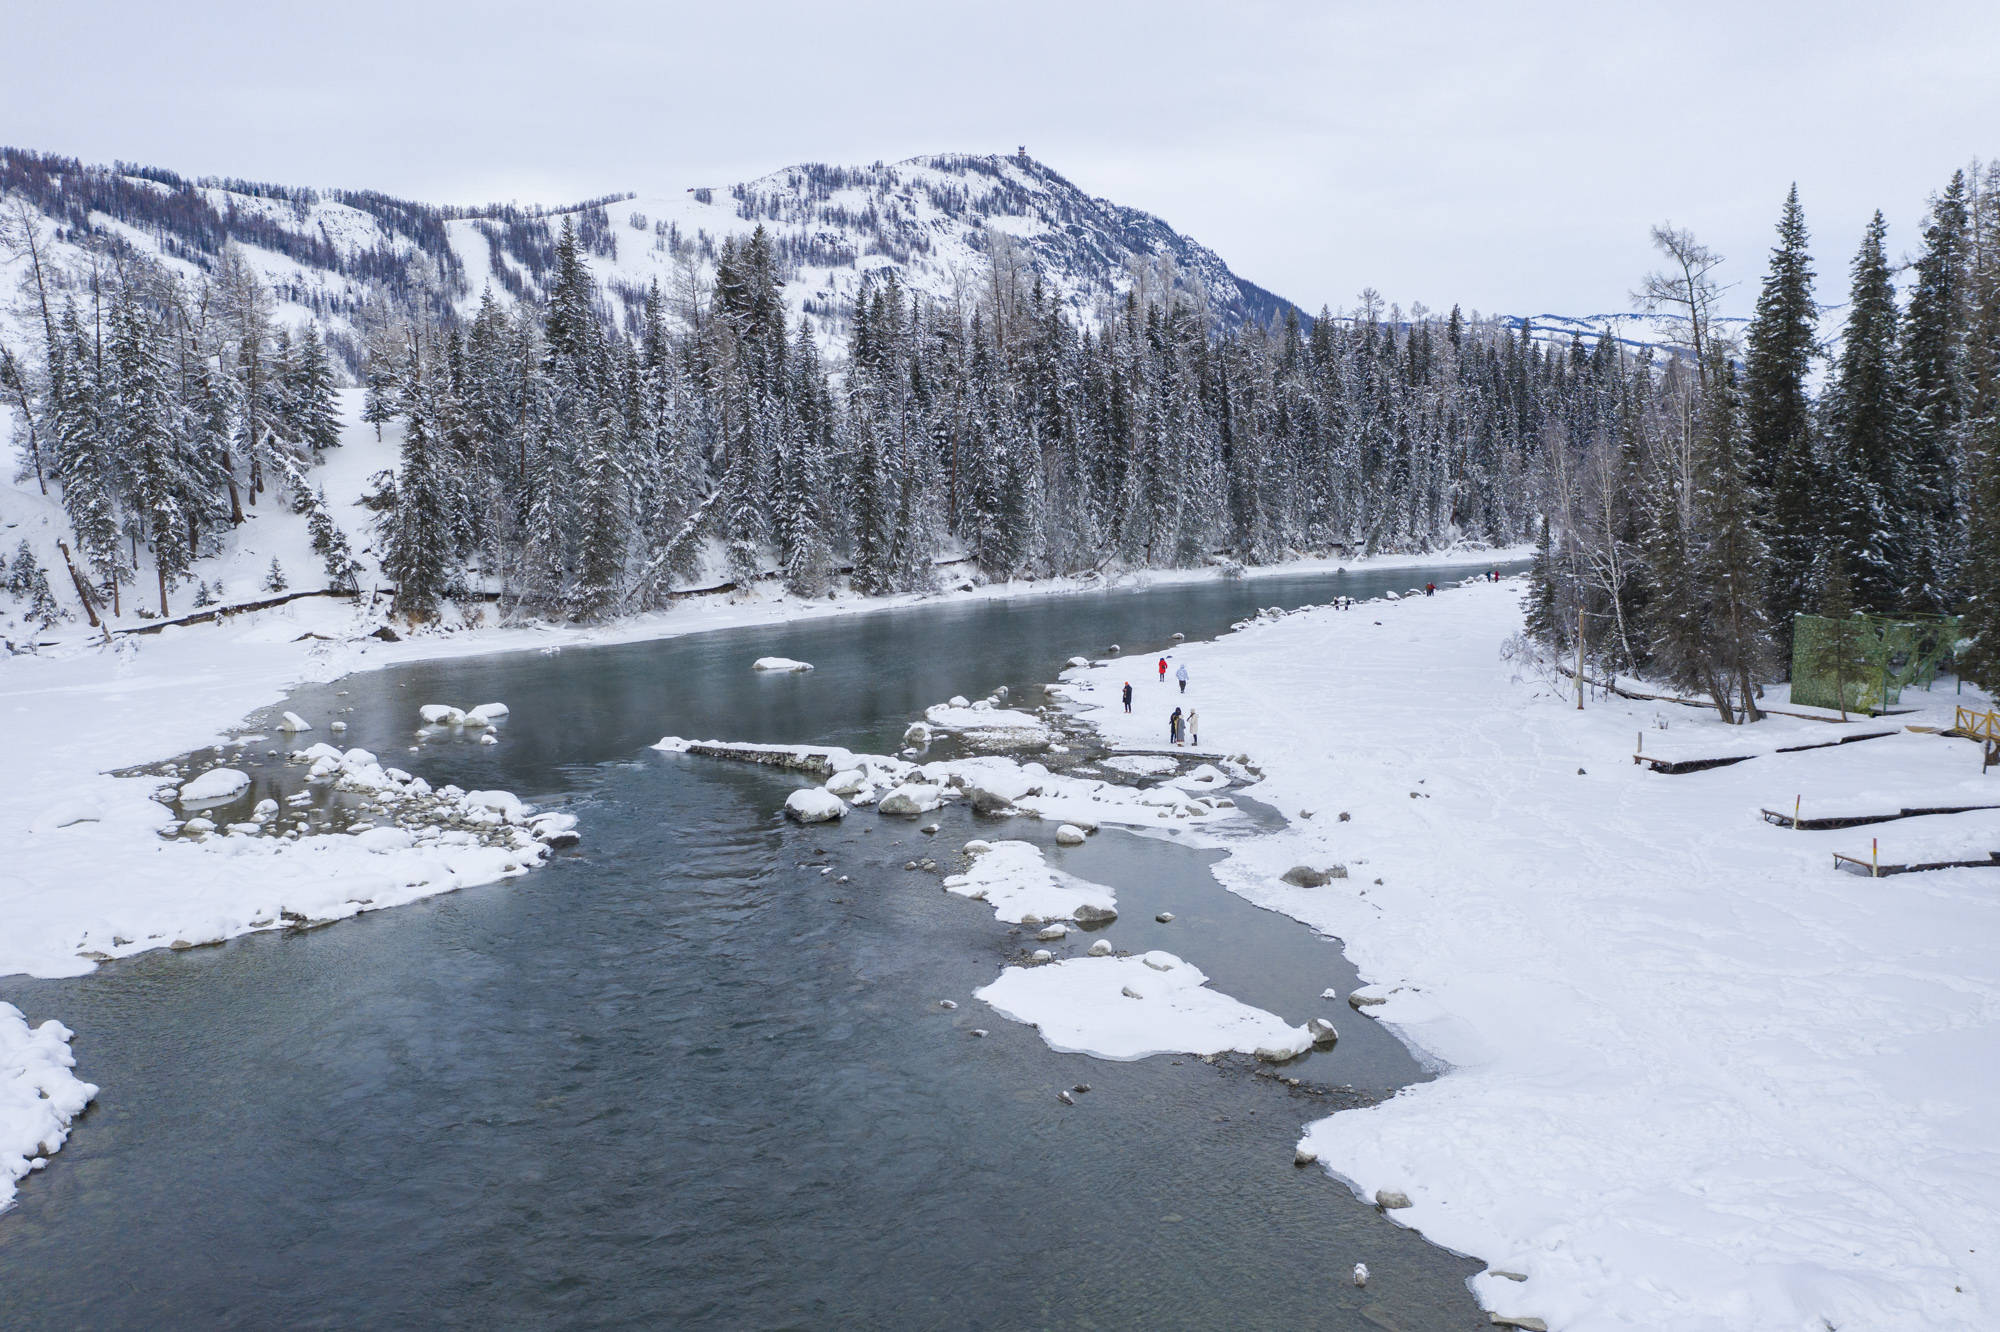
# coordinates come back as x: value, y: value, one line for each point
x: 1132, y: 1007
x: 40, y: 1095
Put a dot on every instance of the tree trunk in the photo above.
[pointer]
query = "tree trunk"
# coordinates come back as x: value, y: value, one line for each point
x: 235, y: 496
x: 82, y: 588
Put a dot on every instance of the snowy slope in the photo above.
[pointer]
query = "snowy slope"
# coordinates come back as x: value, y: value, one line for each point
x: 328, y: 254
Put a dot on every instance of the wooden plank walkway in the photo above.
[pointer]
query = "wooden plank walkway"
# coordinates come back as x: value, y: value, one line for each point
x: 1869, y: 869
x: 1672, y: 766
x: 1784, y: 820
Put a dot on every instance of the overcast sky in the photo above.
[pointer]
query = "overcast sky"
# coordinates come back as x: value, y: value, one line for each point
x: 1509, y: 156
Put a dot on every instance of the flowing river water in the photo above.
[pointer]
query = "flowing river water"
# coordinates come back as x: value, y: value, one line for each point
x: 680, y: 1077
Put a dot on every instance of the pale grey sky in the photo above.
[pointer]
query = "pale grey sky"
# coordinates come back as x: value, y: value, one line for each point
x: 1506, y: 155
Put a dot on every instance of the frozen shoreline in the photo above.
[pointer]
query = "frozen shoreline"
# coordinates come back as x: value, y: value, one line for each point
x: 1692, y: 1076
x: 80, y: 710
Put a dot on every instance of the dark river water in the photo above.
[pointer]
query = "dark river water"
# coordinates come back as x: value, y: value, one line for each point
x: 680, y: 1077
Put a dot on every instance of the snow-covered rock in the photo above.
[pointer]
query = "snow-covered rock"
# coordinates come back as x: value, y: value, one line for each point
x: 783, y: 664
x: 382, y: 840
x: 914, y: 798
x: 294, y: 723
x: 441, y: 714
x: 215, y: 786
x: 1069, y: 835
x: 814, y: 804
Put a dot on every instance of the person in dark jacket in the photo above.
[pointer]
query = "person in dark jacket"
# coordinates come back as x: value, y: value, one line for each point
x: 1128, y: 696
x: 1174, y: 727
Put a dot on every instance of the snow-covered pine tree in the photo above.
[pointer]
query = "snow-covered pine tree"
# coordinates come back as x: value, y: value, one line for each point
x: 150, y: 427
x: 84, y: 459
x: 30, y: 585
x: 309, y: 392
x: 274, y: 578
x: 1733, y: 557
x: 1981, y: 659
x: 1864, y: 421
x: 1777, y: 403
x: 804, y: 547
x: 343, y: 571
x: 417, y: 550
x: 1933, y: 367
x: 601, y: 516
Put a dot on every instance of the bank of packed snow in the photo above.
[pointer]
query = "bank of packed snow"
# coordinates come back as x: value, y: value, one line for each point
x: 1132, y: 1007
x: 39, y: 1095
x: 1697, y: 1078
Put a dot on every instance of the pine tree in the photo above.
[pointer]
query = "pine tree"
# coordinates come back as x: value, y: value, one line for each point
x: 27, y: 582
x: 601, y: 513
x: 310, y: 390
x: 1933, y: 382
x: 1733, y: 565
x: 343, y: 571
x: 1544, y: 620
x: 1864, y: 433
x: 1778, y: 413
x: 274, y: 577
x: 151, y: 429
x: 418, y: 528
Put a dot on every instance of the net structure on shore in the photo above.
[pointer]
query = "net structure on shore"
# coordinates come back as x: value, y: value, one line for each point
x: 1863, y: 663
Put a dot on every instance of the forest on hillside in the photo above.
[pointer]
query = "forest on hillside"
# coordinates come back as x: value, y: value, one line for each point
x: 577, y: 463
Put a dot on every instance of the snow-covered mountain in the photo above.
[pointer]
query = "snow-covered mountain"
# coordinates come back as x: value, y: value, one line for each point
x: 332, y: 254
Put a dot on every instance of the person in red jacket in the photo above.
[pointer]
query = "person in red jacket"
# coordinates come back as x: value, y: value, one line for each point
x: 1163, y: 670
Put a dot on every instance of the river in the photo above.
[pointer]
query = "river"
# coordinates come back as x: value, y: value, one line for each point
x: 681, y: 1077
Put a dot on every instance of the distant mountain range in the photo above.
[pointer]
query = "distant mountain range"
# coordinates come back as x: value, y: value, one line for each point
x: 343, y: 256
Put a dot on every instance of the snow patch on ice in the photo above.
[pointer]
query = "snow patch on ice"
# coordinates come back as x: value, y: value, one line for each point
x: 1017, y: 882
x: 40, y: 1095
x: 1128, y: 1008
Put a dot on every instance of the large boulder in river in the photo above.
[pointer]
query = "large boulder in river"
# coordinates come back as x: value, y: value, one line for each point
x: 215, y: 786
x: 913, y: 798
x: 814, y: 804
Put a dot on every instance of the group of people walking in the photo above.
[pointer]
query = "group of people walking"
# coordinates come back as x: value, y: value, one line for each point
x: 1182, y: 728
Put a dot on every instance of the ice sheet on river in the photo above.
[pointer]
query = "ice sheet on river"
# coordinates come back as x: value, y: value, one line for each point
x: 39, y: 1095
x: 1018, y: 882
x: 1131, y: 1007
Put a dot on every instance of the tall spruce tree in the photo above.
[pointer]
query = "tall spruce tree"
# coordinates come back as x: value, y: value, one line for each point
x: 1865, y: 433
x: 1933, y: 384
x: 1777, y: 407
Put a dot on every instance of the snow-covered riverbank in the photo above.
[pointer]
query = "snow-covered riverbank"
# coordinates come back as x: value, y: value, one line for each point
x: 87, y: 875
x: 1697, y: 1078
x: 83, y: 854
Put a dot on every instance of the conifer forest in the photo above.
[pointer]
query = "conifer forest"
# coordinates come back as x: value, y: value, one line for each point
x: 573, y: 457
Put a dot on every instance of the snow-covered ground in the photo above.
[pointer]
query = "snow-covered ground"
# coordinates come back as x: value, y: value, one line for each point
x: 1695, y: 1077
